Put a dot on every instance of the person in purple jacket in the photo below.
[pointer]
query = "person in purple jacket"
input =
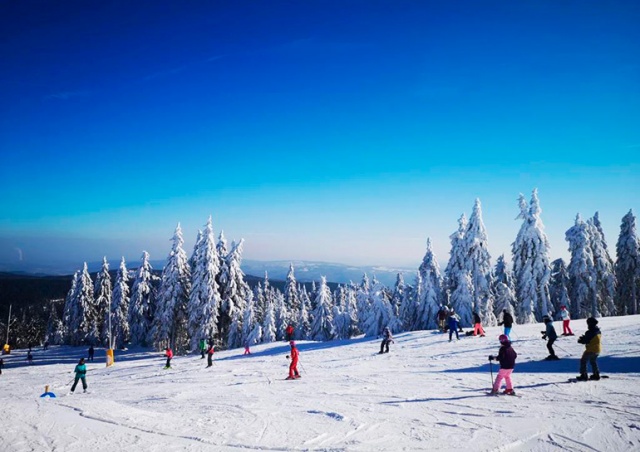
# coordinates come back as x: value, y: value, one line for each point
x: 507, y: 358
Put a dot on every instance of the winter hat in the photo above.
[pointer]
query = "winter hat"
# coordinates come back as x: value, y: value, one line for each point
x: 504, y: 339
x: 292, y: 343
x: 592, y: 321
x: 546, y: 319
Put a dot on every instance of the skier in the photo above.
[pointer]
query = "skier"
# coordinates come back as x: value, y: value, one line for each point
x: 477, y: 325
x: 454, y: 324
x: 91, y: 353
x: 507, y: 321
x: 293, y: 367
x: 289, y: 332
x: 81, y: 374
x: 1, y: 365
x: 210, y: 356
x: 169, y: 354
x: 507, y: 358
x: 550, y: 335
x: 566, y: 318
x: 386, y: 338
x: 592, y: 343
x: 46, y: 345
x: 247, y: 344
x: 202, y: 345
x: 29, y: 357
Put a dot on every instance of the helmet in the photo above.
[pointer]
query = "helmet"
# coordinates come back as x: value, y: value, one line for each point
x: 504, y: 339
x: 292, y: 343
x: 592, y: 321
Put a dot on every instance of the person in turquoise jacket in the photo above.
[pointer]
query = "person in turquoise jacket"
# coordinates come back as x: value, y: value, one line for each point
x: 81, y: 374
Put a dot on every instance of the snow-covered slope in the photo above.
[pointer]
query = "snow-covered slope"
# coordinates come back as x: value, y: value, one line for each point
x: 427, y: 394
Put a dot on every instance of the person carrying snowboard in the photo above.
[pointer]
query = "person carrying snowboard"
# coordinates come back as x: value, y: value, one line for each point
x: 507, y: 321
x: 477, y: 325
x: 593, y: 347
x: 210, y: 355
x: 454, y: 324
x: 507, y: 359
x: 169, y: 354
x: 293, y: 367
x: 566, y: 318
x: 386, y: 339
x: 81, y: 374
x: 550, y: 335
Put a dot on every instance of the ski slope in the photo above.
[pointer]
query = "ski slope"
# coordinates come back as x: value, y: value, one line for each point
x: 427, y: 394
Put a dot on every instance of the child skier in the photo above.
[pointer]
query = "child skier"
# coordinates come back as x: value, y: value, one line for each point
x: 591, y: 341
x: 386, y: 339
x: 507, y: 321
x: 202, y: 345
x: 169, y: 354
x: 477, y: 325
x: 507, y: 358
x: 289, y: 332
x: 293, y: 367
x: 247, y: 344
x: 550, y: 335
x: 566, y: 318
x: 454, y: 324
x: 210, y: 355
x: 81, y: 374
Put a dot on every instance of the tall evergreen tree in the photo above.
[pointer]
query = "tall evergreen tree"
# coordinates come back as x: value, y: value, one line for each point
x: 362, y: 301
x: 603, y: 267
x: 54, y: 333
x: 291, y: 296
x: 235, y: 291
x: 462, y: 299
x: 303, y: 325
x: 269, y: 322
x: 531, y: 266
x: 558, y: 285
x: 456, y: 264
x: 142, y: 303
x: 70, y: 311
x: 204, y: 297
x: 398, y: 294
x: 582, y: 275
x: 322, y: 327
x: 84, y: 329
x: 251, y: 329
x: 170, y: 321
x: 431, y: 293
x: 102, y: 292
x: 120, y: 307
x: 380, y: 312
x: 627, y: 268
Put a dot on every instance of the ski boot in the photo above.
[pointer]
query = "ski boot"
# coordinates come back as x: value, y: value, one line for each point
x: 509, y: 392
x: 595, y: 377
x: 582, y: 377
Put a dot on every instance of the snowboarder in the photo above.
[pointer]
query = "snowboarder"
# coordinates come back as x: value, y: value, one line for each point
x: 91, y: 353
x: 289, y: 332
x: 247, y: 344
x: 29, y: 357
x: 507, y: 359
x: 202, y: 345
x: 386, y: 339
x: 293, y: 367
x: 566, y: 318
x: 454, y: 324
x: 550, y: 335
x: 441, y: 317
x: 169, y: 354
x: 1, y: 365
x: 507, y: 321
x: 592, y: 343
x: 81, y: 374
x: 477, y: 325
x: 210, y: 356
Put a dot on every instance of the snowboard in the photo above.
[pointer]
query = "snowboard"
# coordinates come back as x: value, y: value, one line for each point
x: 575, y: 380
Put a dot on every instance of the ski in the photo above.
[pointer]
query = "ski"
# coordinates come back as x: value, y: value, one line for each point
x: 500, y: 394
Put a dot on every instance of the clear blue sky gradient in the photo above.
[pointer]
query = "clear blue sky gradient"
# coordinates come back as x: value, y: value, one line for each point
x: 344, y: 131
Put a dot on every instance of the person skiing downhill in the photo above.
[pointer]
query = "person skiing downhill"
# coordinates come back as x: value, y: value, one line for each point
x: 566, y: 318
x: 81, y: 374
x: 454, y: 324
x: 507, y: 321
x: 293, y: 367
x: 477, y: 325
x: 550, y: 335
x: 507, y: 359
x: 210, y: 355
x: 169, y: 354
x: 592, y: 343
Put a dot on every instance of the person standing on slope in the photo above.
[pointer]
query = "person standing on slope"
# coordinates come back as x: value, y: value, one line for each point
x: 210, y: 355
x: 1, y: 365
x: 289, y: 332
x: 477, y: 325
x: 386, y: 339
x: 454, y: 324
x: 441, y: 317
x: 293, y: 367
x: 550, y: 335
x: 247, y: 344
x: 91, y: 353
x: 566, y: 318
x: 169, y: 354
x: 507, y: 321
x: 593, y: 347
x: 81, y: 374
x: 202, y: 345
x: 507, y: 359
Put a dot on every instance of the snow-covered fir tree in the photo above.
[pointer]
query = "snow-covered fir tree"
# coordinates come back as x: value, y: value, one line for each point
x: 582, y: 274
x: 340, y: 326
x: 558, y: 285
x: 84, y: 329
x: 142, y: 303
x: 70, y: 311
x: 204, y: 297
x: 269, y: 322
x: 380, y: 312
x: 462, y: 299
x: 351, y: 310
x: 408, y: 315
x: 251, y: 329
x: 363, y: 301
x: 120, y: 307
x: 431, y: 292
x: 302, y: 324
x: 234, y: 338
x: 170, y: 320
x: 398, y: 294
x: 478, y: 263
x: 259, y: 302
x: 282, y: 314
x: 102, y: 292
x: 235, y: 291
x: 456, y: 264
x: 291, y: 295
x: 627, y: 268
x: 54, y: 333
x: 531, y: 266
x: 603, y: 265
x: 322, y: 326
x: 222, y: 250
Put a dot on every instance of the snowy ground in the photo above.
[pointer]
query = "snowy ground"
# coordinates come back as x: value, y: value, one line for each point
x: 426, y: 394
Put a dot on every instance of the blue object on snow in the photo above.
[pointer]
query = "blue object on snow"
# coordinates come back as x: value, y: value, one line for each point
x: 48, y: 394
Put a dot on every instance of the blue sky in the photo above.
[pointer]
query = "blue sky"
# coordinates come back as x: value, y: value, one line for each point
x: 321, y: 130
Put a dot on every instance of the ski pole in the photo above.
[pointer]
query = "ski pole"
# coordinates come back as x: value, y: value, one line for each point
x: 305, y: 370
x: 491, y: 370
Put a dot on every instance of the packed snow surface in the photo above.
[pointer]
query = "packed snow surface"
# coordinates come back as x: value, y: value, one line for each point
x: 426, y: 394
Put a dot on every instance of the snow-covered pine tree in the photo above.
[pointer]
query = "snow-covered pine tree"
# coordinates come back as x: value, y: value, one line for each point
x: 627, y: 267
x: 291, y: 295
x: 302, y: 324
x: 282, y: 314
x: 431, y: 292
x: 102, y: 292
x: 339, y: 326
x: 398, y: 294
x: 250, y: 325
x: 84, y: 329
x: 235, y: 291
x: 603, y: 264
x: 269, y: 322
x: 142, y: 303
x: 204, y: 298
x: 351, y: 310
x: 531, y: 267
x: 70, y: 312
x: 55, y: 329
x: 170, y: 320
x: 380, y: 312
x: 234, y: 339
x: 462, y: 299
x: 259, y: 302
x: 120, y: 307
x: 363, y: 302
x: 322, y: 327
x: 408, y: 315
x: 582, y: 275
x: 456, y: 257
x: 503, y: 288
x: 223, y: 252
x: 558, y: 284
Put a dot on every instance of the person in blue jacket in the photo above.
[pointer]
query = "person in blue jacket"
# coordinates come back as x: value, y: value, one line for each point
x: 81, y: 374
x: 454, y: 324
x: 550, y: 335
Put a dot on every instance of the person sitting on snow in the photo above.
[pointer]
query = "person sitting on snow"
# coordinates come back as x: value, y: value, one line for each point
x: 507, y: 359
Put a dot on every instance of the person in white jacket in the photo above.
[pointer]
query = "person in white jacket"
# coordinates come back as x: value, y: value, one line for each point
x: 566, y: 318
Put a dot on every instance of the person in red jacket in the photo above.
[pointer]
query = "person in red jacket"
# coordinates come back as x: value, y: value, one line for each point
x: 293, y: 367
x: 169, y: 354
x: 210, y: 355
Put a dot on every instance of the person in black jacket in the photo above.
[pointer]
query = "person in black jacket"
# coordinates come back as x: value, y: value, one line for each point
x: 550, y: 335
x: 507, y: 359
x: 386, y: 339
x: 507, y: 321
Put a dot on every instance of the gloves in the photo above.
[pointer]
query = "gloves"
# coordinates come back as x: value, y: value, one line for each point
x: 491, y: 357
x: 288, y: 357
x: 544, y: 336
